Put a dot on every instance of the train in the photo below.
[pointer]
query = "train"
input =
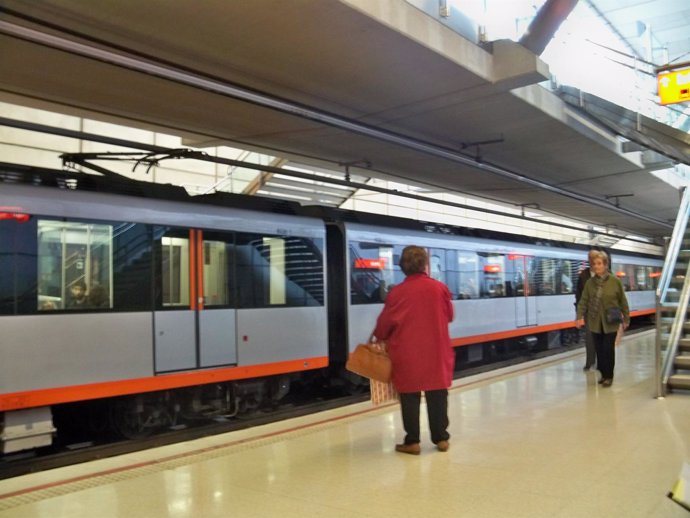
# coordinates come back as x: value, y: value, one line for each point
x: 146, y: 306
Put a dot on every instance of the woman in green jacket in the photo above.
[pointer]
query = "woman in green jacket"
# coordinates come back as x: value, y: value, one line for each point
x: 604, y: 304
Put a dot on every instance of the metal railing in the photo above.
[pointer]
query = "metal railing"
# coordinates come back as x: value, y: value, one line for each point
x: 674, y: 247
x: 665, y: 365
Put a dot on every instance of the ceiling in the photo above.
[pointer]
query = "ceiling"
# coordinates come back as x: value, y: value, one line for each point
x: 331, y: 82
x: 663, y: 23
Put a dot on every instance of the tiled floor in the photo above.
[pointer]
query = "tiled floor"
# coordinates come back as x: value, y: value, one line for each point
x: 545, y: 441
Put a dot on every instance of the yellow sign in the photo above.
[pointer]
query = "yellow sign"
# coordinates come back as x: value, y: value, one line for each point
x: 674, y: 87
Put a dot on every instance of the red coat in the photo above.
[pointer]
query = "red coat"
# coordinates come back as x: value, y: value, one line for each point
x: 414, y: 323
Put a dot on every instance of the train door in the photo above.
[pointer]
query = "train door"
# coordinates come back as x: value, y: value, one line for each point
x: 216, y: 306
x: 194, y: 321
x: 525, y: 300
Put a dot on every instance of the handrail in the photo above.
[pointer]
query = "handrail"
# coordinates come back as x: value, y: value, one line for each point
x: 660, y: 388
x: 675, y: 334
x: 674, y: 246
x: 665, y: 365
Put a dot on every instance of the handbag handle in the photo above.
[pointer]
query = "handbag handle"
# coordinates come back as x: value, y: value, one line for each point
x: 373, y: 340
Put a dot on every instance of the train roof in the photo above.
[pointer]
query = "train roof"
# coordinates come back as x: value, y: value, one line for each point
x: 338, y: 216
x: 113, y: 183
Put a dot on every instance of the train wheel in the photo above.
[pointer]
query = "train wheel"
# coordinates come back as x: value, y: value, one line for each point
x: 132, y: 418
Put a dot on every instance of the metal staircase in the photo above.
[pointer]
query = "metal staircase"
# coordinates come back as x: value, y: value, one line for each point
x: 672, y: 296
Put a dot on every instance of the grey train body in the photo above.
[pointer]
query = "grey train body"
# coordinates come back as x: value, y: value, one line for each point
x: 128, y: 299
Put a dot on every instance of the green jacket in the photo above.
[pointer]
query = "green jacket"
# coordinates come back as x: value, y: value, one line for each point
x: 612, y: 296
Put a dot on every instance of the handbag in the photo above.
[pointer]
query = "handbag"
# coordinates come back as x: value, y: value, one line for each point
x: 371, y: 361
x: 614, y: 316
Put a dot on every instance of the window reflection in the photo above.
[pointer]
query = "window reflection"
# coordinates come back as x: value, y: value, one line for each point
x: 74, y: 265
x: 374, y: 271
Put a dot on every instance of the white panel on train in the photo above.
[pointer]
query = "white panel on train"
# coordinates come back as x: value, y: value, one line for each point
x: 74, y: 349
x: 174, y: 340
x: 362, y: 322
x: 217, y: 337
x: 281, y: 334
x: 526, y: 311
x: 640, y: 299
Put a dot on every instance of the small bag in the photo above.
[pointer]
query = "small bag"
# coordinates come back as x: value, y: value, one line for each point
x: 370, y: 361
x: 614, y: 316
x: 382, y: 392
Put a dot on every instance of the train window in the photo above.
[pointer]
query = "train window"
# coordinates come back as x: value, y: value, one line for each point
x: 568, y: 277
x: 639, y: 282
x: 626, y: 274
x: 452, y: 275
x: 544, y: 275
x: 437, y: 264
x: 18, y: 266
x: 7, y: 267
x: 275, y: 249
x: 467, y: 266
x: 653, y: 273
x: 74, y: 265
x: 218, y: 261
x: 175, y: 271
x: 132, y: 267
x: 173, y: 282
x: 517, y: 266
x: 531, y: 276
x: 493, y: 275
x: 643, y: 280
x: 577, y: 266
x: 397, y: 276
x: 279, y: 271
x: 373, y: 271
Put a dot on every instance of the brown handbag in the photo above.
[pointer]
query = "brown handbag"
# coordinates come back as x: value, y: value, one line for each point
x: 370, y: 361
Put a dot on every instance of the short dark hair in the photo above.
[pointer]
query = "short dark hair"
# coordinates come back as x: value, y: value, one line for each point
x: 414, y: 259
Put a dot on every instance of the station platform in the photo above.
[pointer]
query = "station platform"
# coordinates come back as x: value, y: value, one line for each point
x: 541, y: 439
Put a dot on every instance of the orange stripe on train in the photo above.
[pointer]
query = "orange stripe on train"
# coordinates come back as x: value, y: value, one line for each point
x: 53, y: 396
x: 527, y: 330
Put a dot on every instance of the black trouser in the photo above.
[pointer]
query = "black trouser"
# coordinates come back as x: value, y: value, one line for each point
x: 437, y: 410
x: 605, y: 344
x: 591, y: 354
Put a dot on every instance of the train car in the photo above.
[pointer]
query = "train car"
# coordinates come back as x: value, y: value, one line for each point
x: 509, y: 291
x: 141, y: 306
x: 105, y: 295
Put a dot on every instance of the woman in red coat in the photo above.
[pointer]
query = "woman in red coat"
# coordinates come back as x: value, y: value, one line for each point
x: 414, y: 324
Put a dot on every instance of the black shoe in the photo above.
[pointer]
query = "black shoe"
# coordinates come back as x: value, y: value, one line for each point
x: 607, y: 383
x: 601, y: 381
